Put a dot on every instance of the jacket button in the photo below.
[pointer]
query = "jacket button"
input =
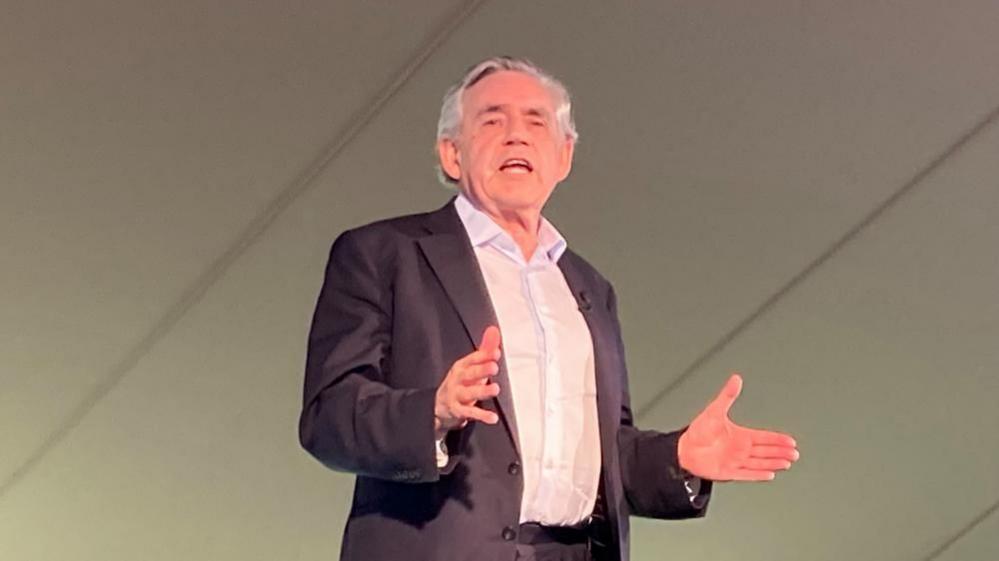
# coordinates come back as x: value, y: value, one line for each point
x: 509, y: 534
x: 513, y: 468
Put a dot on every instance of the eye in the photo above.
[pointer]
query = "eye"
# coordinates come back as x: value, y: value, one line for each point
x: 490, y: 122
x: 538, y: 123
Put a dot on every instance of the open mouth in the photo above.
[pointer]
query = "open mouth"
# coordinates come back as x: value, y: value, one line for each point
x: 516, y: 166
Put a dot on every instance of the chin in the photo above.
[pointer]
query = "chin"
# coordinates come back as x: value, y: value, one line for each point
x: 519, y: 201
x: 514, y: 193
x: 519, y: 189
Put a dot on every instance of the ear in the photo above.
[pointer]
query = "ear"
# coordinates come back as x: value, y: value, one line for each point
x: 565, y: 158
x: 449, y: 158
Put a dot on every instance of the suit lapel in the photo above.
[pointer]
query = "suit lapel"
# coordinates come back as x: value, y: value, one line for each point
x: 452, y: 259
x: 605, y: 357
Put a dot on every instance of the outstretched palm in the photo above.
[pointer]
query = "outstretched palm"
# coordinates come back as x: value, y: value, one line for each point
x: 713, y: 447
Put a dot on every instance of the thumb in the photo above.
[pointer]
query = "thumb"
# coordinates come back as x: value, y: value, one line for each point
x: 728, y: 394
x: 490, y: 339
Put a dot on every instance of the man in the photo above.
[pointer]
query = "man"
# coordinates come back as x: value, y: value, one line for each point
x: 468, y: 367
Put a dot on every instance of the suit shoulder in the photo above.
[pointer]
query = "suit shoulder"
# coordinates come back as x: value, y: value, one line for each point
x: 380, y: 244
x: 406, y: 226
x: 389, y: 234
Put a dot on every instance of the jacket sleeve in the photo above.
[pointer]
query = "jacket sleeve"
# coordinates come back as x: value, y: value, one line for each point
x: 654, y: 484
x: 352, y: 419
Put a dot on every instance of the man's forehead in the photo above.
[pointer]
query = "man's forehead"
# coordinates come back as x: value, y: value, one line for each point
x: 506, y: 90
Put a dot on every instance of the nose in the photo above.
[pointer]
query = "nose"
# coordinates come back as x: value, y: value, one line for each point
x: 516, y: 132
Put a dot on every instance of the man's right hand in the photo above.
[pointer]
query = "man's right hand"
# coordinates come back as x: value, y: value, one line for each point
x: 466, y: 383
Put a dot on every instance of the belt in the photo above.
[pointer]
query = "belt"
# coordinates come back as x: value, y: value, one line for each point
x: 532, y: 533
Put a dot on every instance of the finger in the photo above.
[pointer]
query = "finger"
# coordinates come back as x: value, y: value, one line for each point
x: 774, y: 452
x: 765, y: 437
x: 471, y: 394
x: 477, y: 414
x: 728, y: 394
x: 490, y: 340
x: 477, y: 357
x: 472, y: 375
x: 750, y: 475
x: 766, y: 464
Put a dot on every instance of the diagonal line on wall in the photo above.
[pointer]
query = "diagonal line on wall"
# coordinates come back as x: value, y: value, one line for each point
x: 870, y: 218
x: 963, y: 531
x: 193, y: 294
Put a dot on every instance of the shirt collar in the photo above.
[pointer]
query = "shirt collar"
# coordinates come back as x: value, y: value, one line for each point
x: 483, y: 231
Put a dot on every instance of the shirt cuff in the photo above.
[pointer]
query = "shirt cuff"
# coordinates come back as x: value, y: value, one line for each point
x: 693, y: 485
x: 440, y: 449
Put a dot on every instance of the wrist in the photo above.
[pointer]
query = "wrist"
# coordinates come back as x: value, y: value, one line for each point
x: 682, y: 452
x: 439, y: 431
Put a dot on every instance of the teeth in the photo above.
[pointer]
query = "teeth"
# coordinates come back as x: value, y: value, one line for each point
x: 517, y: 164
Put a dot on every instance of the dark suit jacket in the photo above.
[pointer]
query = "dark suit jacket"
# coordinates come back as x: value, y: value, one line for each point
x: 403, y: 299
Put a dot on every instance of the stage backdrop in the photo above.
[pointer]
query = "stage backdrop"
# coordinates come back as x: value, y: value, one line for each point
x: 806, y: 192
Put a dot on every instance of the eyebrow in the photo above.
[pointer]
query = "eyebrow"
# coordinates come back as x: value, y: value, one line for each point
x: 530, y: 111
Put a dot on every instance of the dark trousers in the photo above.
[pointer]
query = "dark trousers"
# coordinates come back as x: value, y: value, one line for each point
x: 553, y: 552
x: 545, y: 543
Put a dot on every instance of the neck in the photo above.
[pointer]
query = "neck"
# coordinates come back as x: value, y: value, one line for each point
x: 522, y: 225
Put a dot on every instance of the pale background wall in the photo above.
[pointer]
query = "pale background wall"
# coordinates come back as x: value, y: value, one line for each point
x: 807, y: 191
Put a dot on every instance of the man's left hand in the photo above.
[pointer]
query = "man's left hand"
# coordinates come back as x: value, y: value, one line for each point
x: 715, y: 448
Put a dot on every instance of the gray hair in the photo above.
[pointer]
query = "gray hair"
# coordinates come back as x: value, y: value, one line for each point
x: 449, y: 123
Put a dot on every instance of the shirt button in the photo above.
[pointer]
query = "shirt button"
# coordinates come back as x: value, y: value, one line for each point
x: 513, y: 468
x: 509, y: 534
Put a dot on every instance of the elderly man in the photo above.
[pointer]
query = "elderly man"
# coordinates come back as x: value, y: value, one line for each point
x: 466, y: 447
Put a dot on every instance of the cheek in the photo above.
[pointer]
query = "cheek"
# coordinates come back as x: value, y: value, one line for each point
x: 551, y: 164
x: 481, y: 157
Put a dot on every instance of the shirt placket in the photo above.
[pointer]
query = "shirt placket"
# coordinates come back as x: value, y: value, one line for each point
x: 552, y: 423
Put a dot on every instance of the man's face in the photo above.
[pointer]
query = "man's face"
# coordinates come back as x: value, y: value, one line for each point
x: 510, y: 153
